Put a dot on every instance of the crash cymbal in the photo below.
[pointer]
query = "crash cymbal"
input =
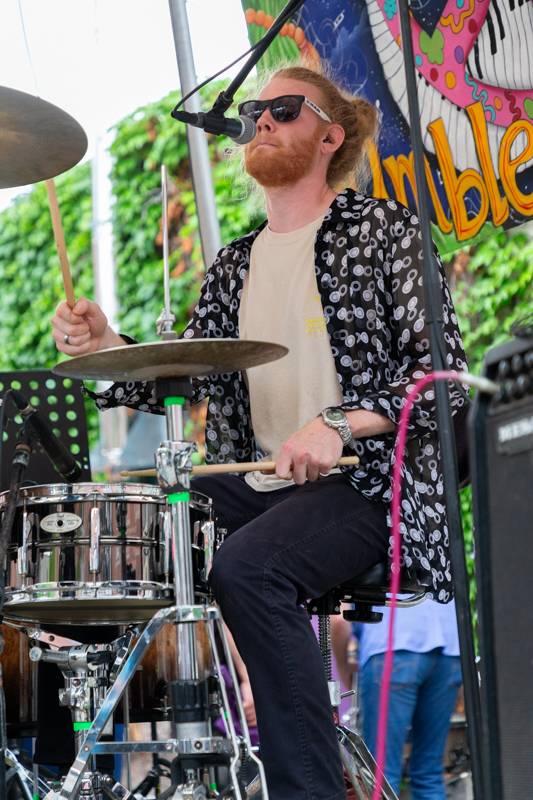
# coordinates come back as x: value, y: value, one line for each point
x: 37, y: 139
x: 171, y: 359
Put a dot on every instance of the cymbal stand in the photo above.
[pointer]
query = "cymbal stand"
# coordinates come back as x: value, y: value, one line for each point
x: 190, y: 692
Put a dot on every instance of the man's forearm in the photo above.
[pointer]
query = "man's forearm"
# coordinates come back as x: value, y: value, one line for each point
x: 368, y: 423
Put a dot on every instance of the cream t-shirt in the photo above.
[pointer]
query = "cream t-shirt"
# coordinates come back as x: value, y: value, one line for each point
x: 281, y: 303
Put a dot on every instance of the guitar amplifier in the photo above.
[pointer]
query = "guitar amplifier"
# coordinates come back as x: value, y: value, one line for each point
x: 501, y: 444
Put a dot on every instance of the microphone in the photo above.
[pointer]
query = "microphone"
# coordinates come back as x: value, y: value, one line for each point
x: 61, y: 458
x: 242, y: 130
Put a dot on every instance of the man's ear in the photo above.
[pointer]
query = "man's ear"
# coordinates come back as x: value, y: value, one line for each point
x: 334, y: 138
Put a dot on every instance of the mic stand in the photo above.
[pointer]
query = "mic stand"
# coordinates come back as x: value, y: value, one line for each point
x: 444, y: 418
x: 212, y: 120
x: 20, y: 461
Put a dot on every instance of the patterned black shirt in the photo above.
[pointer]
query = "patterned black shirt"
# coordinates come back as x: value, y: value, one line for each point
x: 368, y: 269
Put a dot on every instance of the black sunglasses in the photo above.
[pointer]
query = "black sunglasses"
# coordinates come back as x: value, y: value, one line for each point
x: 283, y: 109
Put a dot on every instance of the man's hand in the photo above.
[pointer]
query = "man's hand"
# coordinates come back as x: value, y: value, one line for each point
x: 86, y: 327
x: 248, y: 703
x: 313, y: 450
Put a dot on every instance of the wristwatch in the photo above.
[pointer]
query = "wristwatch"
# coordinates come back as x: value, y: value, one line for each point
x: 335, y: 417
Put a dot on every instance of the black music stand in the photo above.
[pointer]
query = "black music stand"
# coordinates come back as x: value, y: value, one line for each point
x: 60, y: 403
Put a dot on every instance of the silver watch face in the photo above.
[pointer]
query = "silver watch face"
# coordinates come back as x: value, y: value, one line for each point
x: 335, y: 414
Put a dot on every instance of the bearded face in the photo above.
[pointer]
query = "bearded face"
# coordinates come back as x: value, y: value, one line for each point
x: 274, y: 163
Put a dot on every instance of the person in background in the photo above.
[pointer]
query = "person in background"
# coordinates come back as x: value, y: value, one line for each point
x: 426, y: 677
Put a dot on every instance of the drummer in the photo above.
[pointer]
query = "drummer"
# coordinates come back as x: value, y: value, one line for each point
x: 336, y: 277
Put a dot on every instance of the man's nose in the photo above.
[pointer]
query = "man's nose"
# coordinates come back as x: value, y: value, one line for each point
x: 265, y: 121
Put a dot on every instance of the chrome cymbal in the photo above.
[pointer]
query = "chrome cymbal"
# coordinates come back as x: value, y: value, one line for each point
x: 37, y: 139
x: 171, y: 359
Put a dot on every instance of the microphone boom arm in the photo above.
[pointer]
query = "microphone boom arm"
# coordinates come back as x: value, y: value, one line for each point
x: 225, y: 98
x: 208, y: 120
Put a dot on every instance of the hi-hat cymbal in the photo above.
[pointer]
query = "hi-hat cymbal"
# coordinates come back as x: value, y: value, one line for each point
x: 171, y: 359
x: 37, y: 139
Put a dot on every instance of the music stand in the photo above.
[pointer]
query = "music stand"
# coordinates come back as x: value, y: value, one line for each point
x: 60, y: 403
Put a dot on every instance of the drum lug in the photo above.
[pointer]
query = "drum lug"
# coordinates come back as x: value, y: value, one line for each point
x: 22, y: 560
x: 209, y: 536
x: 167, y: 532
x: 94, y: 550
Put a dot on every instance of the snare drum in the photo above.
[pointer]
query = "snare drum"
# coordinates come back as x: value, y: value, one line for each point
x: 93, y: 553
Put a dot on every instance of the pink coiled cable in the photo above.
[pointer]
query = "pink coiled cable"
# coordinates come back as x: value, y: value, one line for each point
x: 399, y: 450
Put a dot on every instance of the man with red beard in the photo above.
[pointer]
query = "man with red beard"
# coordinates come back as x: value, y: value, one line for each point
x: 335, y: 276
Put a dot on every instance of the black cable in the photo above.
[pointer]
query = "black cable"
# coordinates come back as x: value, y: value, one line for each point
x: 216, y: 74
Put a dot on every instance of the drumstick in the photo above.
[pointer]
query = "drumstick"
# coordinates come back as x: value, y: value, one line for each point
x: 213, y: 469
x: 60, y: 242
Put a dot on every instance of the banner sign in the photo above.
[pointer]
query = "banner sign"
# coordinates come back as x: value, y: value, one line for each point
x: 474, y: 63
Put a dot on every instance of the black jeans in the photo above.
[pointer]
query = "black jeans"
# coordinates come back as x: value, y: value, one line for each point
x: 287, y: 546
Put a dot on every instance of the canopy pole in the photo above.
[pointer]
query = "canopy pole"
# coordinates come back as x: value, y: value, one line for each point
x: 445, y: 428
x: 198, y: 152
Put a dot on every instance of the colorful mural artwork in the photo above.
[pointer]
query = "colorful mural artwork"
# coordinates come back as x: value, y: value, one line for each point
x: 474, y: 62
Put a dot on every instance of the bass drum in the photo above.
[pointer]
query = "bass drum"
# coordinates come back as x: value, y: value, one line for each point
x: 20, y: 684
x: 148, y: 698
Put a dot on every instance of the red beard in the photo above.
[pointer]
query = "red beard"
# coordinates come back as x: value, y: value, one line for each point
x: 282, y: 165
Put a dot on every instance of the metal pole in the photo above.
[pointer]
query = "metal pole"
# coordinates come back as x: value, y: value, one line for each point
x: 198, y: 152
x: 113, y: 424
x: 444, y: 419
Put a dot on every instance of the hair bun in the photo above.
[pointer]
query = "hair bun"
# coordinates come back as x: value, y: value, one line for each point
x: 367, y: 116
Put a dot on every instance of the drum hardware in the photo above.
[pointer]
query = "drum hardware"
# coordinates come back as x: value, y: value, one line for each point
x: 17, y: 775
x: 165, y: 321
x: 195, y: 749
x: 85, y: 671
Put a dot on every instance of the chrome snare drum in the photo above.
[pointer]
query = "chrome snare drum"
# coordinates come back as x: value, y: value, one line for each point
x: 93, y: 553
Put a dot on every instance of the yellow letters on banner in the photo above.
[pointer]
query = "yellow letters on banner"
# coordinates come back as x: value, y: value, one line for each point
x: 400, y: 170
x: 499, y: 205
x: 456, y: 186
x: 508, y: 166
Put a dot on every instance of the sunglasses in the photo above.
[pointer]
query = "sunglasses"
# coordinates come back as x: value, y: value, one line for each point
x: 283, y: 109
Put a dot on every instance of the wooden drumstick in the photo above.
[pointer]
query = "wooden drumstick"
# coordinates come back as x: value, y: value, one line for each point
x: 213, y: 469
x: 60, y: 242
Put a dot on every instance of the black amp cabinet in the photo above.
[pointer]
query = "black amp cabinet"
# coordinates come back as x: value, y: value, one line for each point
x: 501, y: 445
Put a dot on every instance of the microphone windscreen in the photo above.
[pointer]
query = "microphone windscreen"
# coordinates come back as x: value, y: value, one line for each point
x: 248, y: 132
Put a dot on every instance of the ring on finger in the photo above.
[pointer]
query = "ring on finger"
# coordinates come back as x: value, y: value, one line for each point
x: 66, y: 338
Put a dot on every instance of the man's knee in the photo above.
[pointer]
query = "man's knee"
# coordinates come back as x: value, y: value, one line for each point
x: 231, y: 572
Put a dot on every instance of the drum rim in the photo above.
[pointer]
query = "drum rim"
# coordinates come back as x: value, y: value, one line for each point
x: 86, y: 491
x: 19, y: 601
